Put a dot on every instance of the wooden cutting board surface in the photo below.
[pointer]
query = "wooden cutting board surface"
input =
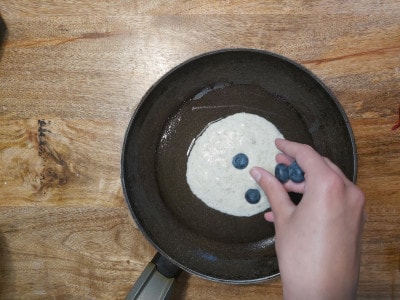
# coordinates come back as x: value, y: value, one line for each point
x: 73, y: 72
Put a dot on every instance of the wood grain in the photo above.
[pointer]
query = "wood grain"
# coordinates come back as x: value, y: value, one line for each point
x: 71, y: 75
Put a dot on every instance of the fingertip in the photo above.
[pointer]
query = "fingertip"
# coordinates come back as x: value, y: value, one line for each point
x: 283, y: 159
x: 278, y: 141
x: 282, y: 144
x: 262, y: 176
x: 269, y: 216
x: 255, y: 172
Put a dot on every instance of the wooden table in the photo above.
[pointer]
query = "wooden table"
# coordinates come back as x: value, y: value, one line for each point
x: 71, y: 75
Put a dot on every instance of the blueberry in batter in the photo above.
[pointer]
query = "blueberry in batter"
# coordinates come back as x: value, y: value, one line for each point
x: 240, y: 161
x: 252, y: 196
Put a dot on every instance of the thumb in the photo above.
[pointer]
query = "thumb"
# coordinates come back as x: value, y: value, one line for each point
x: 278, y: 197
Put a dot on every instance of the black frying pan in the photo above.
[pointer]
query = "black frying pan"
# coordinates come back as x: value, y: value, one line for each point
x: 175, y: 110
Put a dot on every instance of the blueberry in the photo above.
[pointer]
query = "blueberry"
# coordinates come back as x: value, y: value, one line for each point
x: 296, y: 174
x: 240, y: 161
x: 252, y: 196
x: 282, y: 173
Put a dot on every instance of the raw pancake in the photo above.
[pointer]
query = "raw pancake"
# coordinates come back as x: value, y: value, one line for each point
x: 210, y: 173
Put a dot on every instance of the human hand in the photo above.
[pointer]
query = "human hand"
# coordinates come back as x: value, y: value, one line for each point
x: 318, y: 241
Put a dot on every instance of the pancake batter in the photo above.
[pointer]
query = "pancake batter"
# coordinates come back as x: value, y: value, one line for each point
x: 212, y: 176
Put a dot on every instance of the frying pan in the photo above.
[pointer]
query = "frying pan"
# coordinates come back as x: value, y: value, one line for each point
x: 187, y: 234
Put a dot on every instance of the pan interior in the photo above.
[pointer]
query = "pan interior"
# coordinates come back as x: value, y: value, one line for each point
x: 175, y: 111
x: 209, y: 105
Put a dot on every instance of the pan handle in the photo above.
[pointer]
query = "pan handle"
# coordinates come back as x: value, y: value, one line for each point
x: 156, y: 280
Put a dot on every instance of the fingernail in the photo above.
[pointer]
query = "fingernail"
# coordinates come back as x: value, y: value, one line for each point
x: 255, y: 174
